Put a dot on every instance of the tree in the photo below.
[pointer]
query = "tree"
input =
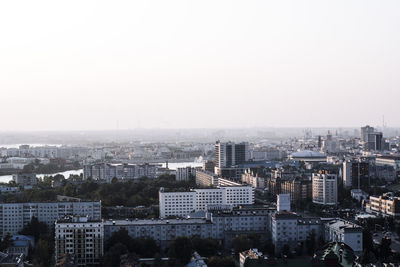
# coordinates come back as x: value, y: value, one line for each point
x: 113, y: 256
x: 35, y: 228
x: 42, y: 253
x: 6, y: 242
x: 368, y: 243
x: 310, y: 243
x: 206, y: 247
x: 286, y: 250
x: 367, y: 257
x: 241, y: 243
x: 384, y: 248
x: 220, y: 262
x: 181, y: 249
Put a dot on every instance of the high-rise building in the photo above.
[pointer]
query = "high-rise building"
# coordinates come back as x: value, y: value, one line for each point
x: 81, y: 238
x: 325, y: 188
x: 356, y: 174
x: 230, y: 154
x: 365, y: 131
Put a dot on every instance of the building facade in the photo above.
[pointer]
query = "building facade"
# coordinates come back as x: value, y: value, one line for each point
x: 344, y: 231
x: 14, y: 216
x: 325, y: 188
x: 183, y: 203
x: 81, y: 238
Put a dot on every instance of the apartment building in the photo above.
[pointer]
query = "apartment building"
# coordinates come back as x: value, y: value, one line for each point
x: 183, y: 203
x: 26, y: 180
x: 206, y: 178
x: 81, y: 238
x: 222, y: 223
x: 14, y: 216
x: 324, y: 188
x: 386, y: 205
x: 184, y: 174
x: 290, y: 229
x: 253, y: 179
x: 106, y: 172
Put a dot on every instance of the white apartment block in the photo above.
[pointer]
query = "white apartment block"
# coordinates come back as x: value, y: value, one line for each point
x: 218, y: 224
x: 184, y: 174
x: 106, y: 172
x: 206, y: 178
x: 291, y: 229
x: 324, y: 188
x: 344, y: 231
x: 162, y: 231
x: 183, y: 203
x: 176, y: 203
x: 14, y: 216
x: 81, y: 238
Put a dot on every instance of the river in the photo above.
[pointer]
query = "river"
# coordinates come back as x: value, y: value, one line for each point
x: 172, y: 166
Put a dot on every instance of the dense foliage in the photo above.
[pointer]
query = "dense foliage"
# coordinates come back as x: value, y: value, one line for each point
x: 133, y: 193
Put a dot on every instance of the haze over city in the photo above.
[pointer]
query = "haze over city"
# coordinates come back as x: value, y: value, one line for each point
x: 97, y: 65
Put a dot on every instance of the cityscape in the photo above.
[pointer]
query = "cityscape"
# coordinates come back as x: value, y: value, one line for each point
x: 179, y: 133
x: 301, y: 200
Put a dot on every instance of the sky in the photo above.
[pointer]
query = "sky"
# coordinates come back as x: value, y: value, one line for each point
x: 98, y: 65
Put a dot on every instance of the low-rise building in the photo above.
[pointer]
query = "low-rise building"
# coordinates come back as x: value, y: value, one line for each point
x: 252, y: 257
x: 386, y: 205
x: 340, y: 230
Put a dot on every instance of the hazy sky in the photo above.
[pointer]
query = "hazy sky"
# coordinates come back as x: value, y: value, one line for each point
x: 185, y: 64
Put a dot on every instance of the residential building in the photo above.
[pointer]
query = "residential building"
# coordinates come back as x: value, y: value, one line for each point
x: 340, y: 230
x: 21, y: 244
x: 206, y: 178
x: 358, y: 194
x: 230, y: 154
x: 14, y: 216
x: 325, y: 188
x: 291, y: 229
x: 299, y: 189
x: 227, y: 182
x: 209, y: 166
x: 253, y: 179
x: 176, y: 203
x: 386, y: 205
x: 184, y: 174
x: 334, y: 254
x: 219, y: 222
x: 283, y: 202
x: 106, y: 172
x: 163, y: 231
x: 81, y: 238
x: 26, y: 180
x: 356, y: 173
x: 183, y: 203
